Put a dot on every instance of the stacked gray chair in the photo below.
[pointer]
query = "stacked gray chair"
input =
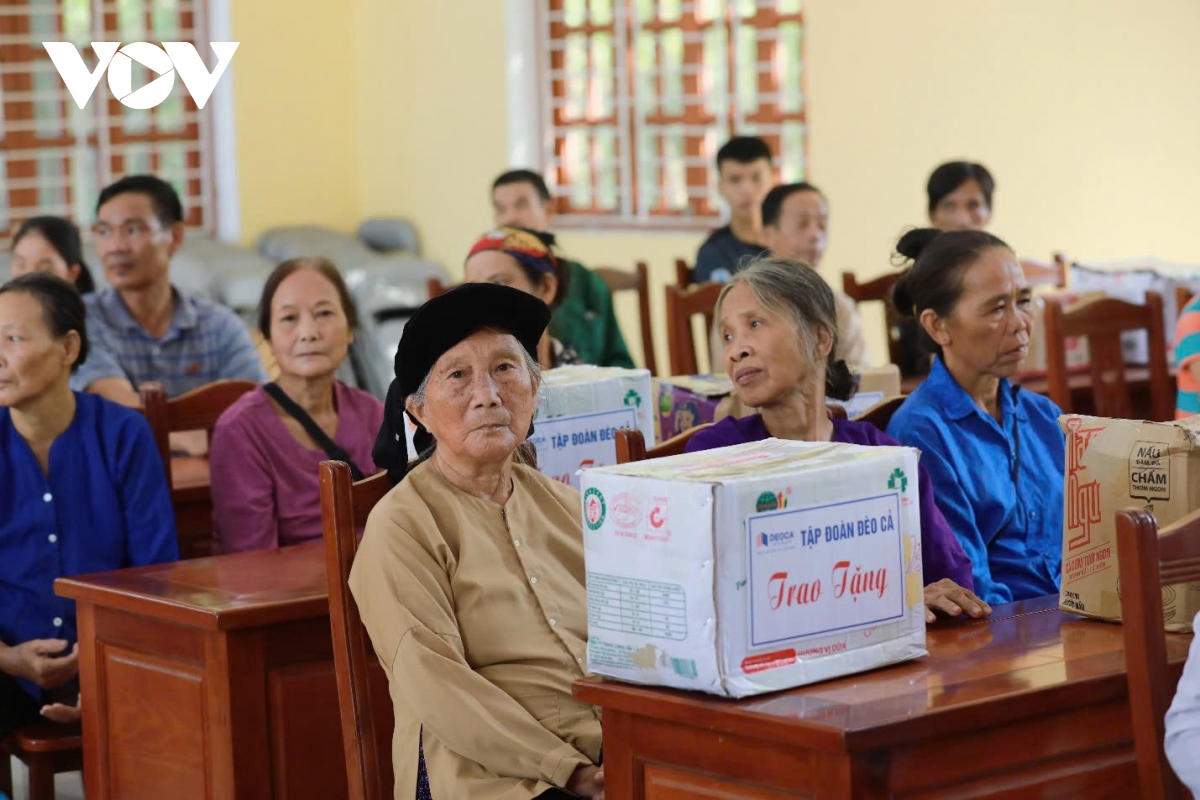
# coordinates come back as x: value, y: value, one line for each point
x: 390, y: 235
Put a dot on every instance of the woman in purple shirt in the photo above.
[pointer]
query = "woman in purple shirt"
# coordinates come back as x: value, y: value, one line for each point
x: 778, y: 322
x: 266, y: 446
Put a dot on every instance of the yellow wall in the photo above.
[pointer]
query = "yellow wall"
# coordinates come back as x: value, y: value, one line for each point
x: 1085, y: 110
x: 295, y: 110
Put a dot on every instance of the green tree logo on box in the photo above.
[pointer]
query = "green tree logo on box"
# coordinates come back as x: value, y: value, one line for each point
x: 770, y: 501
x: 593, y: 508
x: 898, y: 477
x: 632, y: 398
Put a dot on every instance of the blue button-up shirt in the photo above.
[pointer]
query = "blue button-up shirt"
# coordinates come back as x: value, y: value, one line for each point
x: 1012, y: 531
x: 205, y: 342
x: 104, y: 505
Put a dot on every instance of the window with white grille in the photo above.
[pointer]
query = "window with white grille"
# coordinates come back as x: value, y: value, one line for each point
x: 640, y: 94
x: 54, y: 157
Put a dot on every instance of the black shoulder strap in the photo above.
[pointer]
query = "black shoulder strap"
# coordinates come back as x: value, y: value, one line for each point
x: 331, y: 448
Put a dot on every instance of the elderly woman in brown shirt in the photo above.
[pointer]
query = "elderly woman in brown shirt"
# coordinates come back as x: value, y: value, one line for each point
x: 470, y: 577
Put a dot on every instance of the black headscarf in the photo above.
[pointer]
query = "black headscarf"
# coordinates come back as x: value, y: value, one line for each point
x: 436, y: 327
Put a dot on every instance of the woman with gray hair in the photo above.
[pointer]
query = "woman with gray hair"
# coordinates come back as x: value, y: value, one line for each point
x: 778, y: 324
x: 470, y: 577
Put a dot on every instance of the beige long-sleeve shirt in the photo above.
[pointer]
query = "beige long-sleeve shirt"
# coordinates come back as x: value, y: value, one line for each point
x: 478, y: 614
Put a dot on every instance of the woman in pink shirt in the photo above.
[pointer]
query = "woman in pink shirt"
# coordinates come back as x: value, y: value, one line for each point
x: 266, y: 446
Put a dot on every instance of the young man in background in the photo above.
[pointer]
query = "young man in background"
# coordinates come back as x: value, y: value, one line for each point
x: 745, y: 176
x: 585, y: 320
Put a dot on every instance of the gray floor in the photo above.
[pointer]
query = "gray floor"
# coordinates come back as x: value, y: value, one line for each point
x: 68, y: 786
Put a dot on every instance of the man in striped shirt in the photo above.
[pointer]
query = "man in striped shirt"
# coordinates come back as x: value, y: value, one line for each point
x: 143, y: 328
x: 1187, y: 360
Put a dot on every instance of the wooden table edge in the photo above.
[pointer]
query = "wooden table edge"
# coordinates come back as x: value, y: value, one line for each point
x: 821, y: 736
x: 145, y: 605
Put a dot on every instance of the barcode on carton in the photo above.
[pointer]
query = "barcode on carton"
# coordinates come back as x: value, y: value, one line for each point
x: 684, y: 667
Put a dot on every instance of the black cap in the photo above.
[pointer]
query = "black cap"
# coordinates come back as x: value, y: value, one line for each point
x: 437, y: 327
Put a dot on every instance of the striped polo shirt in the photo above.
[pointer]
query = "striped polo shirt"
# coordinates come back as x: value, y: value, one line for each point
x: 205, y: 342
x: 1187, y: 353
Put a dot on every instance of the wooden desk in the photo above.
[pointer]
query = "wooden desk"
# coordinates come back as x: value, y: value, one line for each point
x: 210, y: 679
x: 192, y: 498
x: 1029, y: 704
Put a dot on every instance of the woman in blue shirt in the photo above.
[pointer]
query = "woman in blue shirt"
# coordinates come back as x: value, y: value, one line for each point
x: 83, y: 491
x: 994, y: 451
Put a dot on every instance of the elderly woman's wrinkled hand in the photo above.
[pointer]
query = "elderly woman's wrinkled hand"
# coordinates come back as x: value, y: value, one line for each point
x: 949, y: 598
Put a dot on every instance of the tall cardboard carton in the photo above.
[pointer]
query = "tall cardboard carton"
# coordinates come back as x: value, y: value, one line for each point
x: 1114, y: 464
x: 579, y: 411
x: 754, y: 568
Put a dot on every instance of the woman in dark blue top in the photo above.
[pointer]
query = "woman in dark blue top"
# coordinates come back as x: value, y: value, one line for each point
x: 83, y: 491
x: 994, y: 451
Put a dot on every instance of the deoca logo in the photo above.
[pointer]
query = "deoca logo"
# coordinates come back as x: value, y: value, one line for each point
x: 163, y: 61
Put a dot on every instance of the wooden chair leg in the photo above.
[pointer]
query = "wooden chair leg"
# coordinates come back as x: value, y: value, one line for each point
x: 41, y: 777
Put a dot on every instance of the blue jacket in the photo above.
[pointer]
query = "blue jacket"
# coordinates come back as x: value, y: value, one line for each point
x: 1008, y: 516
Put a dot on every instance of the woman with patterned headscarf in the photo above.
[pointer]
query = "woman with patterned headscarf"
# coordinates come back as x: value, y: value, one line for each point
x: 525, y: 260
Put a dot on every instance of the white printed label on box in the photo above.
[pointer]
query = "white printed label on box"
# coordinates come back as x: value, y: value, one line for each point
x: 627, y: 605
x: 825, y: 568
x: 566, y: 445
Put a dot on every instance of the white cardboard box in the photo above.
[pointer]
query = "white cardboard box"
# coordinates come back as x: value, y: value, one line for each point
x: 754, y: 568
x: 579, y: 411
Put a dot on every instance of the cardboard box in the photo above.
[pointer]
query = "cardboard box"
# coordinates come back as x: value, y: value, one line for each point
x: 579, y: 411
x: 1077, y: 351
x: 1129, y: 280
x: 884, y: 379
x: 754, y: 568
x: 875, y: 384
x: 1114, y: 464
x: 686, y: 401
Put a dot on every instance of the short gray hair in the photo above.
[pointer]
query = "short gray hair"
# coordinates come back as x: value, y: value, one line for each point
x: 794, y: 291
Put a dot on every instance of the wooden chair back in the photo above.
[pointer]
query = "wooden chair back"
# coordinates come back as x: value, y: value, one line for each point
x: 637, y: 281
x: 881, y: 413
x: 1149, y: 560
x: 631, y: 445
x: 1102, y: 320
x: 878, y: 289
x: 683, y: 274
x: 682, y: 305
x: 366, y: 707
x: 198, y: 409
x: 1039, y: 273
x: 1183, y: 296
